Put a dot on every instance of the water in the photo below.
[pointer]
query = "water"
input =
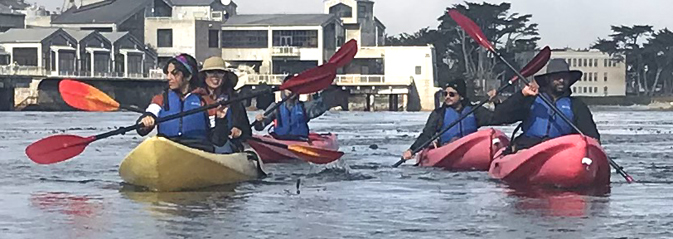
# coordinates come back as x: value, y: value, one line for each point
x: 360, y: 196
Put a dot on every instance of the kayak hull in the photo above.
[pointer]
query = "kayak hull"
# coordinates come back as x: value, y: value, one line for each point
x: 274, y: 154
x: 473, y: 152
x: 163, y: 165
x: 571, y: 161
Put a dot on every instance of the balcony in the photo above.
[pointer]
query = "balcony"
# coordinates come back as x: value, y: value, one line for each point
x: 42, y: 72
x: 286, y: 51
x: 341, y: 80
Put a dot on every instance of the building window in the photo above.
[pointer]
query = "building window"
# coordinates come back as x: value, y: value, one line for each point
x: 574, y: 89
x: 595, y: 62
x: 418, y: 70
x: 589, y: 77
x: 605, y: 91
x: 213, y: 38
x: 584, y: 63
x: 245, y: 39
x: 298, y: 38
x: 584, y: 89
x: 595, y: 89
x: 341, y: 10
x: 164, y: 37
x: 595, y: 76
x: 605, y: 76
x: 574, y: 62
x: 605, y: 62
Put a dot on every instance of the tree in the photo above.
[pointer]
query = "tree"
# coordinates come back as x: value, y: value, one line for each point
x: 510, y: 33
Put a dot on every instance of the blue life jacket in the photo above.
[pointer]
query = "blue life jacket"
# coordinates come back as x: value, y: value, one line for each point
x: 542, y: 121
x: 194, y: 126
x: 466, y: 126
x: 291, y: 122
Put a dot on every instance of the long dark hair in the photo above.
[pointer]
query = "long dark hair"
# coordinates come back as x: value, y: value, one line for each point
x: 227, y: 87
x: 186, y: 64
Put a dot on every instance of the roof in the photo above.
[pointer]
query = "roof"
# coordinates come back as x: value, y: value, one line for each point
x: 26, y: 35
x: 105, y: 12
x: 379, y: 22
x: 114, y: 36
x: 279, y: 20
x: 78, y: 34
x: 190, y: 2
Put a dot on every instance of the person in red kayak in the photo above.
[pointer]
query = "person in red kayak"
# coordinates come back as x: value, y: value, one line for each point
x: 539, y: 122
x: 455, y: 105
x: 290, y: 120
x: 218, y: 84
x: 182, y: 95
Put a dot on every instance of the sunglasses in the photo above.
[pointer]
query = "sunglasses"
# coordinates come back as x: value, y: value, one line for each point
x: 450, y: 94
x: 219, y: 74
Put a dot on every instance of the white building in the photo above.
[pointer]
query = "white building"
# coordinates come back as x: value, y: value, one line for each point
x: 603, y: 75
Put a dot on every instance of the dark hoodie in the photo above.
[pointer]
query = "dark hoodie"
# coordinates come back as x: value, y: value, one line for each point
x: 517, y: 107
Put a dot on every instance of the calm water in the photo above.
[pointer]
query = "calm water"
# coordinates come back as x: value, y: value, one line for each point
x: 360, y: 196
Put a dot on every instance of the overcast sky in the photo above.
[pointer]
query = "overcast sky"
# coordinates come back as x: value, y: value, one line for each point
x: 573, y: 23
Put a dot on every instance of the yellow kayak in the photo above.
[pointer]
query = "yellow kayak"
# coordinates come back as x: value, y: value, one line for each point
x: 163, y: 165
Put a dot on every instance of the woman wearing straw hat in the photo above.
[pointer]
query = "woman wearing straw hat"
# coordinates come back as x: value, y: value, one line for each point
x: 219, y: 84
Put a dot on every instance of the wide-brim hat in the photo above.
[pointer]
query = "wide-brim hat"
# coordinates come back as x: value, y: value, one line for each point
x: 558, y: 66
x: 218, y: 64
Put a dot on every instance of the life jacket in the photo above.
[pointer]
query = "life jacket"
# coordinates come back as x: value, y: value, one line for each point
x: 542, y: 121
x: 291, y: 122
x: 194, y: 126
x: 466, y: 126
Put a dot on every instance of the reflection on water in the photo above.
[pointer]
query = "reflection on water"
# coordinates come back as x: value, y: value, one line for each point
x: 560, y: 203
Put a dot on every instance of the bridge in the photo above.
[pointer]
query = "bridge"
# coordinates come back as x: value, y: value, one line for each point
x: 20, y: 86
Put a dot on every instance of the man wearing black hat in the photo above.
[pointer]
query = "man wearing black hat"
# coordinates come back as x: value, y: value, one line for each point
x: 291, y: 119
x: 455, y: 106
x: 539, y: 122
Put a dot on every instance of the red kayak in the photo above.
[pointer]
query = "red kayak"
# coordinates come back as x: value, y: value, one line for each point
x: 571, y: 161
x: 274, y: 154
x: 472, y: 152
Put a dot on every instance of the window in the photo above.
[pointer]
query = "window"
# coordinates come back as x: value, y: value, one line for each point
x: 595, y: 62
x: 605, y: 62
x: 605, y: 91
x: 164, y: 37
x: 341, y: 10
x: 595, y: 89
x: 574, y: 89
x: 585, y: 63
x: 213, y: 38
x: 589, y: 76
x: 605, y: 76
x: 298, y: 38
x: 418, y: 70
x: 595, y: 76
x: 245, y: 39
x: 362, y: 10
x: 584, y: 90
x: 574, y: 62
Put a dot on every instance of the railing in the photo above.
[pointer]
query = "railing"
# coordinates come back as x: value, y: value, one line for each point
x: 286, y: 51
x: 39, y: 71
x: 344, y: 80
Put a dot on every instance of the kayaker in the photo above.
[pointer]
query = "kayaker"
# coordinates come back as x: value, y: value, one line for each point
x: 183, y: 94
x: 219, y: 84
x: 291, y: 119
x: 455, y: 105
x: 539, y: 122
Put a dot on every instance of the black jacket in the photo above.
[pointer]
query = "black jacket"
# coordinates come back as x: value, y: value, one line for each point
x: 517, y: 107
x: 436, y: 120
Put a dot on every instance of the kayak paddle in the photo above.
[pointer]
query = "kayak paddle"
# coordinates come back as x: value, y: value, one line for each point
x: 85, y: 97
x: 473, y: 30
x: 58, y: 148
x: 539, y: 61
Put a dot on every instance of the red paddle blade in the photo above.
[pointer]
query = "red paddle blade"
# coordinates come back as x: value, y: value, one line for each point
x: 85, y: 97
x: 471, y: 29
x: 536, y: 64
x: 312, y: 80
x: 315, y: 155
x: 345, y: 54
x: 57, y: 148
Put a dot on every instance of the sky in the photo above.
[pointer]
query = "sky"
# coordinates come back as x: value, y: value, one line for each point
x: 562, y: 23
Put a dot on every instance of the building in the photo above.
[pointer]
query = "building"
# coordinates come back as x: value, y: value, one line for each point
x: 107, y: 16
x: 40, y: 51
x: 37, y: 16
x: 280, y: 43
x: 93, y: 52
x: 603, y: 75
x: 129, y: 56
x: 186, y: 26
x: 361, y: 24
x: 10, y: 18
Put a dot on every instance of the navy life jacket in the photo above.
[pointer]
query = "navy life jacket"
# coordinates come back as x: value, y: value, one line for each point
x: 542, y: 121
x: 466, y: 126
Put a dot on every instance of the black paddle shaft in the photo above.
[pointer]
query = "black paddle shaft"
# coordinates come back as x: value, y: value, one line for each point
x: 614, y: 164
x: 436, y: 136
x: 189, y: 112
